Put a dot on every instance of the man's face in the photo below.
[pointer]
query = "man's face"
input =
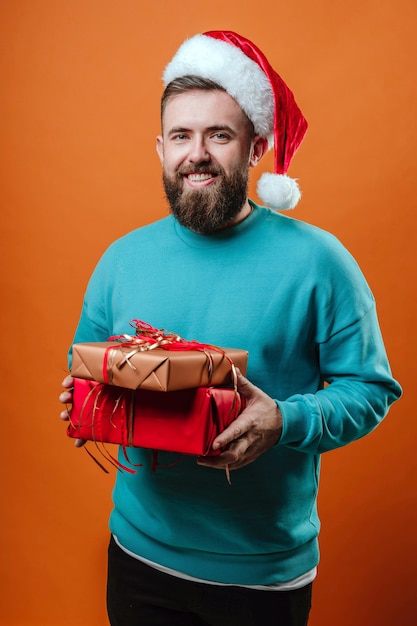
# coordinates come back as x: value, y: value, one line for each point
x: 206, y: 149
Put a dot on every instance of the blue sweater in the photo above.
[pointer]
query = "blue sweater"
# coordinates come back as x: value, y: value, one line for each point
x: 291, y: 295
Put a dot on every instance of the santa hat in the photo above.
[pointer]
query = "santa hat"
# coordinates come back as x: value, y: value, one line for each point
x: 237, y: 65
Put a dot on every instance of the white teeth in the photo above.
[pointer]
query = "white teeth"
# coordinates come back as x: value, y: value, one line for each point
x: 198, y: 177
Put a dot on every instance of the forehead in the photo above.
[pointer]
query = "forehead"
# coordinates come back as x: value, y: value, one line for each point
x: 203, y: 109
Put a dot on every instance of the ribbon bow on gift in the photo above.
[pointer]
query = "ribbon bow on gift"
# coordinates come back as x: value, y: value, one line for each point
x: 149, y: 338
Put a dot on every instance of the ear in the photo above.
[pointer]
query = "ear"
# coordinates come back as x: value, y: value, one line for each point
x: 259, y: 148
x: 160, y: 147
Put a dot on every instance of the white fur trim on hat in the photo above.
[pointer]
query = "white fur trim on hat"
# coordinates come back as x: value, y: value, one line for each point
x: 278, y: 191
x: 230, y: 68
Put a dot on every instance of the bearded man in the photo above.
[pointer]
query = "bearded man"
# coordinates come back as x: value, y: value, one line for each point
x: 186, y: 547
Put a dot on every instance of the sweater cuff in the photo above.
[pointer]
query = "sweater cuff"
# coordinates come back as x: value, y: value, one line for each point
x: 299, y: 414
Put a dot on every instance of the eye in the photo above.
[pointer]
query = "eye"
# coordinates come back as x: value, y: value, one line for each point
x: 179, y: 137
x: 220, y: 136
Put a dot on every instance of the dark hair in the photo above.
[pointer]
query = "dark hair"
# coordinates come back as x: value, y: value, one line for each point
x: 190, y: 82
x: 187, y: 83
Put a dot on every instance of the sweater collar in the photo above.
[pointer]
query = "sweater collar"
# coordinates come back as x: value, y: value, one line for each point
x: 224, y: 236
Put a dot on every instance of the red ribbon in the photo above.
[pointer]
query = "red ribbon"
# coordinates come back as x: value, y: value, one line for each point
x: 94, y: 394
x: 148, y: 338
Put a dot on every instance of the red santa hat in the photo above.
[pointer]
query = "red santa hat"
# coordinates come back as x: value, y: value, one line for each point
x: 237, y: 65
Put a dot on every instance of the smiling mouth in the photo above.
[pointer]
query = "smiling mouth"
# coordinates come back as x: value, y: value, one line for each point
x: 198, y: 178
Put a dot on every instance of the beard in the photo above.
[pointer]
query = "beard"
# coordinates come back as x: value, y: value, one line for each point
x: 212, y: 208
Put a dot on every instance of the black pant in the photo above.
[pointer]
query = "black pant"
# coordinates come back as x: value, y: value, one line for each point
x: 139, y: 595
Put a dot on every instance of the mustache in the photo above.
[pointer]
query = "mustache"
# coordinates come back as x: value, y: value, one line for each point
x: 199, y: 168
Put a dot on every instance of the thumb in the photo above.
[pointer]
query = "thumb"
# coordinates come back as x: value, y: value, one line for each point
x: 244, y: 386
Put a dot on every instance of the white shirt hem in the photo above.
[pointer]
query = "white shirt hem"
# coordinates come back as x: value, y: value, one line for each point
x: 295, y: 583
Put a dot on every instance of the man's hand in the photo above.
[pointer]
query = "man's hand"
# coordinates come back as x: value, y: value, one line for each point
x: 66, y: 398
x: 257, y: 429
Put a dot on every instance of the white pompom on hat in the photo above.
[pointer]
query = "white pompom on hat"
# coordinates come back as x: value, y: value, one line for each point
x: 239, y: 67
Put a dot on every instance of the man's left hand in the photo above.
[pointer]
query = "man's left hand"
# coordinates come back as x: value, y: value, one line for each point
x: 252, y: 433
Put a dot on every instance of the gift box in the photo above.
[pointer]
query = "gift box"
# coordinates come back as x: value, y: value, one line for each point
x: 171, y: 367
x: 184, y: 421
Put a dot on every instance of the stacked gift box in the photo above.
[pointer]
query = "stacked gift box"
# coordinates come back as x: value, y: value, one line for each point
x: 154, y: 390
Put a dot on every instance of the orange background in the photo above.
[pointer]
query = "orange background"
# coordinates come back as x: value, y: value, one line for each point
x: 79, y: 112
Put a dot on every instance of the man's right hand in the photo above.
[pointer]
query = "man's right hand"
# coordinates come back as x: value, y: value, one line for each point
x: 66, y: 398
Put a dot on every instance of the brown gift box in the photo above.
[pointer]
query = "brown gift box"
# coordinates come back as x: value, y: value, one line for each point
x: 157, y: 369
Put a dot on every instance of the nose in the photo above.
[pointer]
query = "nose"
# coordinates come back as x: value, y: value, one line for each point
x: 198, y: 151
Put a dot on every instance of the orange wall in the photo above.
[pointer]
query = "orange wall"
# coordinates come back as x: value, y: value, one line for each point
x: 79, y: 113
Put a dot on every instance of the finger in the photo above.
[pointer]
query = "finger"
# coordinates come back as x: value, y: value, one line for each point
x: 232, y: 455
x: 236, y: 430
x: 65, y: 397
x: 231, y: 461
x: 215, y: 463
x: 244, y: 386
x: 250, y: 455
x: 212, y: 462
x: 78, y: 443
x: 68, y: 381
x: 65, y: 415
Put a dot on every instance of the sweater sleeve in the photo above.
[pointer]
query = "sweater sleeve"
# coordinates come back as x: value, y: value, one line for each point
x: 358, y: 391
x: 95, y: 322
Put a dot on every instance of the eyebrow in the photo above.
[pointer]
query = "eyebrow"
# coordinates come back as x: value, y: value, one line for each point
x: 210, y: 129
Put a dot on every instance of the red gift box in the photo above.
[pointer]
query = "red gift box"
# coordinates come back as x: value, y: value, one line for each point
x: 185, y: 421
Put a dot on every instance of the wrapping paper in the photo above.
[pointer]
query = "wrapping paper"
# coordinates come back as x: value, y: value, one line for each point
x: 185, y: 421
x: 168, y: 368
